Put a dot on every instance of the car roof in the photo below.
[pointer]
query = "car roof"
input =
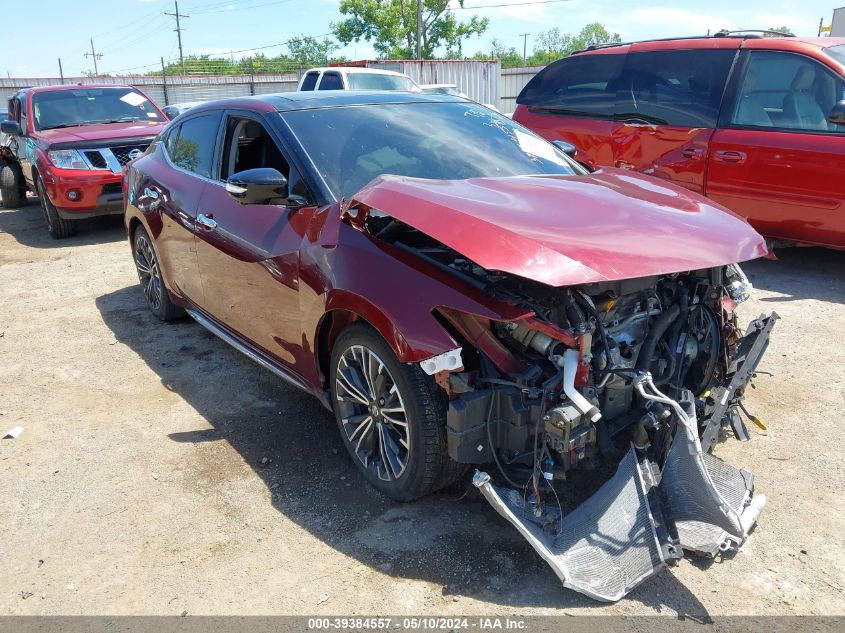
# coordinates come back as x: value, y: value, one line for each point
x: 58, y: 87
x: 349, y: 70
x: 739, y: 40
x: 310, y: 99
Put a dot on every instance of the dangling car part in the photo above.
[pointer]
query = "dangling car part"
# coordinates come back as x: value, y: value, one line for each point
x: 579, y: 383
x: 499, y: 306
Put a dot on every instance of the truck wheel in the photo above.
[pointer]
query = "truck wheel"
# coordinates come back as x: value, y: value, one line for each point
x: 392, y: 416
x: 12, y: 187
x: 59, y: 228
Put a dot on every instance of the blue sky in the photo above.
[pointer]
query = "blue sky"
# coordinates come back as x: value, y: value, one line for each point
x: 133, y: 34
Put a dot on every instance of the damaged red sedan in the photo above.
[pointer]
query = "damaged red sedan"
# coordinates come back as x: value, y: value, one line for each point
x: 461, y: 293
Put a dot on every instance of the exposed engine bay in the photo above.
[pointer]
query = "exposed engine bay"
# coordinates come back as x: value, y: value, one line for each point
x: 641, y: 375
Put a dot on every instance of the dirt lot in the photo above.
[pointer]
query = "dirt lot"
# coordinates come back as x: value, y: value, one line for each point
x: 160, y: 472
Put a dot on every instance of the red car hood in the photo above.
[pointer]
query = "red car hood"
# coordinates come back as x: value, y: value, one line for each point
x: 564, y: 230
x: 103, y: 132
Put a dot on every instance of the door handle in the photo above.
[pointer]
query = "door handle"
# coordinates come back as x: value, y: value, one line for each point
x: 730, y: 156
x: 206, y: 220
x: 692, y: 153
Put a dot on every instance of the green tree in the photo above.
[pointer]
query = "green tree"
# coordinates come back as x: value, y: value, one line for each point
x: 302, y: 52
x: 308, y: 51
x: 777, y: 31
x: 391, y: 25
x: 551, y: 45
x: 507, y: 55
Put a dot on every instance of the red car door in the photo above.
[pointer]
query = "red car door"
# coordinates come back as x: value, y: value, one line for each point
x: 667, y: 105
x: 776, y: 159
x: 249, y: 254
x: 175, y: 194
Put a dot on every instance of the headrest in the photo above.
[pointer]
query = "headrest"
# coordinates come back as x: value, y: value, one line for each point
x: 804, y: 78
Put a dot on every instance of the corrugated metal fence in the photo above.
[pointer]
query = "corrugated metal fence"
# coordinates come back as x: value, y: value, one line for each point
x: 511, y: 83
x: 483, y: 81
x: 479, y: 80
x: 167, y: 90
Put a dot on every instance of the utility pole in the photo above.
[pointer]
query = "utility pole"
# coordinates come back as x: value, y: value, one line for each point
x: 178, y: 30
x: 95, y: 56
x: 419, y: 29
x: 61, y: 72
x: 524, y: 37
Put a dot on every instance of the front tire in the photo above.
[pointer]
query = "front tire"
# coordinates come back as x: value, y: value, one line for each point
x: 392, y: 416
x: 152, y: 282
x: 58, y: 227
x: 12, y: 187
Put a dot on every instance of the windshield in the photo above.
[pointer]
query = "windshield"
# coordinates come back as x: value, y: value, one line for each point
x: 837, y: 52
x: 442, y: 90
x: 84, y: 106
x: 376, y: 81
x: 441, y: 141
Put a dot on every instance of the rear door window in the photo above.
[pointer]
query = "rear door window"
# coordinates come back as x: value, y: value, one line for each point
x: 580, y: 85
x: 331, y: 81
x: 310, y: 81
x: 681, y: 88
x: 192, y: 145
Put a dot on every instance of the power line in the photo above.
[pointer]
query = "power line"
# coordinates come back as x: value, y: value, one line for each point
x: 231, y: 53
x: 506, y: 4
x: 142, y: 34
x: 228, y: 7
x: 178, y: 29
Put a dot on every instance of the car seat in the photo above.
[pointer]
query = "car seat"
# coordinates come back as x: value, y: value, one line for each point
x: 801, y: 107
x: 750, y: 109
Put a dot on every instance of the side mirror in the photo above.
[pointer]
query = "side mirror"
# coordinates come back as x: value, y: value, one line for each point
x: 263, y: 185
x: 12, y: 128
x: 837, y: 113
x: 566, y: 147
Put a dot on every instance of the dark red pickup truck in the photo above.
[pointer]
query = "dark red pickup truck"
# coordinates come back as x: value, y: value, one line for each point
x: 68, y: 144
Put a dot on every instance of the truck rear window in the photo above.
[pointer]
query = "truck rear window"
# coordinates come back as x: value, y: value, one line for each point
x: 87, y: 106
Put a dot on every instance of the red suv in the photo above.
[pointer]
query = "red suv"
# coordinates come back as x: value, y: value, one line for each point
x: 757, y: 124
x: 68, y: 144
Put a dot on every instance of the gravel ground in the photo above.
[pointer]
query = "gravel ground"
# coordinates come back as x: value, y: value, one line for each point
x: 160, y: 472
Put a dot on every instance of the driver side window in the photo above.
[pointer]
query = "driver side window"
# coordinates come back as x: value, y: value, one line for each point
x: 248, y: 145
x: 787, y: 91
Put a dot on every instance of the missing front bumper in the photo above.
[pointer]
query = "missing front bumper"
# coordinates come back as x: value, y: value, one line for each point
x: 641, y: 519
x: 603, y: 549
x: 623, y: 534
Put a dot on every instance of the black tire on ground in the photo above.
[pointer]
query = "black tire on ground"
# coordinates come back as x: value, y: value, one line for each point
x: 12, y: 185
x: 58, y: 227
x: 149, y: 274
x: 426, y: 466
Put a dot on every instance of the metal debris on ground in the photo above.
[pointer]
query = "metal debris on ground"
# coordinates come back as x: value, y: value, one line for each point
x: 13, y: 433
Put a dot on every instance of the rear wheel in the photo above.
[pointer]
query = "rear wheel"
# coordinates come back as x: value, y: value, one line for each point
x: 12, y: 186
x: 391, y: 416
x: 149, y: 274
x: 58, y: 227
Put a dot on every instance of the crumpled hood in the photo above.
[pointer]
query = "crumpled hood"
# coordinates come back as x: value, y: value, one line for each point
x: 565, y: 230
